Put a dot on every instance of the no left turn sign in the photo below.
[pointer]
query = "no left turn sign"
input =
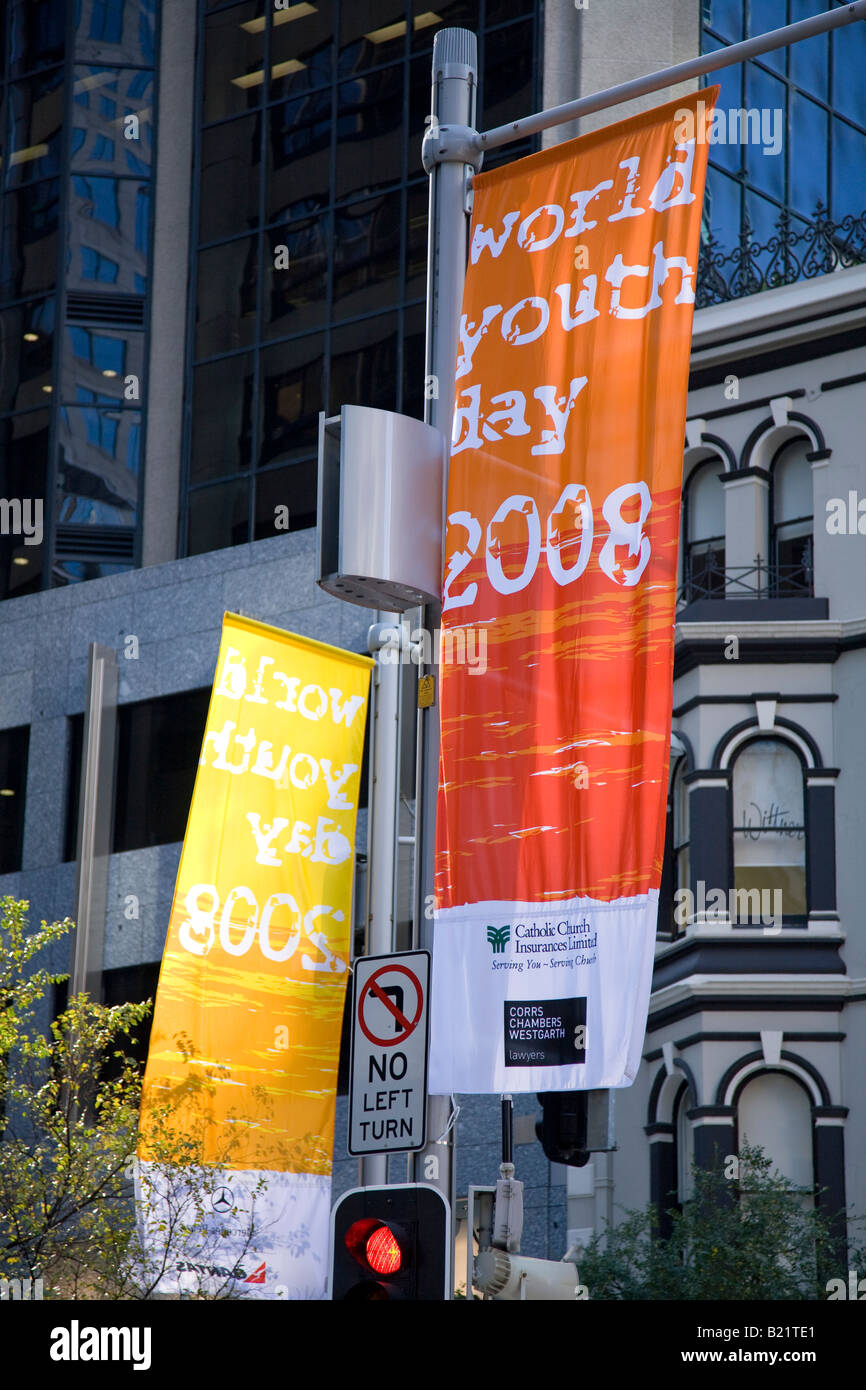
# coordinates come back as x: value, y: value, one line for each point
x: 400, y: 992
x: 388, y: 1093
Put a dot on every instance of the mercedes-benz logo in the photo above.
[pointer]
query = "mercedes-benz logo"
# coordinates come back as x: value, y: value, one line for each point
x: 223, y: 1199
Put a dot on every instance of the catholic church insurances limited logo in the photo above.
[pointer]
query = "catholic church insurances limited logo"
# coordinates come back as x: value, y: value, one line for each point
x: 498, y: 938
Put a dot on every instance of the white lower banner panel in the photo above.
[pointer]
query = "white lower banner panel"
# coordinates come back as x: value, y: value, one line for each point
x: 540, y: 997
x: 245, y: 1234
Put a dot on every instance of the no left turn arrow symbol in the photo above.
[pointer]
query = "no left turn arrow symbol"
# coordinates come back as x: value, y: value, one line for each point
x: 379, y: 989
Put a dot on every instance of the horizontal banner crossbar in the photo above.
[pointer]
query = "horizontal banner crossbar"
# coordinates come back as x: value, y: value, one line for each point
x: 668, y: 77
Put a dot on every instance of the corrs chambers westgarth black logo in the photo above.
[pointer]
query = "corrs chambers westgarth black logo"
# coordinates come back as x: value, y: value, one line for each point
x: 499, y: 938
x: 545, y: 1032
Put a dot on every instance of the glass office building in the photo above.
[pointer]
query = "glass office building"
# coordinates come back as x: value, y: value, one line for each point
x: 307, y: 232
x: 213, y: 226
x: 76, y: 135
x: 310, y: 234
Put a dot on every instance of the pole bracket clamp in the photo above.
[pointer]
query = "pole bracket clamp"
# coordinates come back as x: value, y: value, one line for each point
x: 450, y: 144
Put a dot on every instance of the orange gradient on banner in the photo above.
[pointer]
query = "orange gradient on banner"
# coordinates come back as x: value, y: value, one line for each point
x: 563, y: 514
x: 250, y: 999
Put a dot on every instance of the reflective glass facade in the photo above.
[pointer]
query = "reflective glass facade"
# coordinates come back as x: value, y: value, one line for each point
x: 806, y: 154
x: 32, y: 50
x: 102, y: 386
x: 76, y: 143
x: 309, y: 268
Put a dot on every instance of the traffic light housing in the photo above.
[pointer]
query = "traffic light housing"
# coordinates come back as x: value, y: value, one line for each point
x: 391, y: 1244
x: 576, y: 1124
x: 563, y: 1127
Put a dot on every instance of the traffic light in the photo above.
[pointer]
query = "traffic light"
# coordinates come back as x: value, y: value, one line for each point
x: 562, y: 1128
x: 575, y: 1125
x: 391, y: 1243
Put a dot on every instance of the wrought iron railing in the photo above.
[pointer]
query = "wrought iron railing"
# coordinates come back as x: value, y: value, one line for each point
x: 760, y: 580
x: 798, y: 251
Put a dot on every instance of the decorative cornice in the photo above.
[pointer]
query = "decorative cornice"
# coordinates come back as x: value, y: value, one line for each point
x: 738, y: 988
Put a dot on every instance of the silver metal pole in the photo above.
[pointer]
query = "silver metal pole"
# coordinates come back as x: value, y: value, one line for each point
x: 383, y: 823
x: 668, y: 77
x: 455, y: 79
x: 451, y: 146
x: 94, y: 823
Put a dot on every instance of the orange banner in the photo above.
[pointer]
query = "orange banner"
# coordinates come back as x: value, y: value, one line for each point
x: 561, y: 554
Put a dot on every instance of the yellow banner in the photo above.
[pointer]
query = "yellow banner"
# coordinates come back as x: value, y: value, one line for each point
x: 250, y: 999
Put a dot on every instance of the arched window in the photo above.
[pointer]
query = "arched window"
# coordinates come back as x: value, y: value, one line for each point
x: 704, y: 531
x: 675, y: 866
x: 679, y: 825
x: 680, y: 815
x: 769, y: 832
x: 685, y: 1143
x: 791, y: 519
x: 774, y: 1111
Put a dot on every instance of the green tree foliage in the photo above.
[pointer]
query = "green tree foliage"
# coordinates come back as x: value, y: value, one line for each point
x: 69, y: 1112
x: 752, y: 1235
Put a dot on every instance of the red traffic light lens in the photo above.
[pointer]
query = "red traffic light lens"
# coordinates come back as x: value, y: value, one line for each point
x: 383, y: 1252
x: 380, y: 1249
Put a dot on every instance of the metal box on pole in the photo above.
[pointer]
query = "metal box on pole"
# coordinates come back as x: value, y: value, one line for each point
x: 380, y: 508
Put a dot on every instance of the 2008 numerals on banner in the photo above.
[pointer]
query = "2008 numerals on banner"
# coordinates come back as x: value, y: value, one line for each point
x: 574, y: 497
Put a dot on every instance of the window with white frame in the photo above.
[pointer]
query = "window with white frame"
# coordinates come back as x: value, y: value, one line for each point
x: 769, y: 828
x: 685, y: 1142
x: 774, y: 1113
x: 792, y: 519
x: 675, y: 863
x: 704, y: 531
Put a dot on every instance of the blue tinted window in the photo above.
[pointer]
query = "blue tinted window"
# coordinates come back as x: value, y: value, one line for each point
x: 849, y: 71
x: 723, y: 207
x: 726, y: 18
x: 808, y: 155
x: 30, y: 221
x: 120, y: 31
x: 805, y: 106
x: 849, y: 163
x: 723, y: 154
x: 79, y: 338
x: 36, y: 34
x: 95, y: 266
x: 105, y: 139
x: 133, y: 448
x: 106, y: 20
x: 808, y: 66
x: 765, y: 15
x: 765, y: 158
x: 108, y: 354
x: 142, y: 218
x: 99, y: 198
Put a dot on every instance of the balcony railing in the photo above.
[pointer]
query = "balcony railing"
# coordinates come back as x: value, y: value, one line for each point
x: 798, y: 251
x: 757, y: 581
